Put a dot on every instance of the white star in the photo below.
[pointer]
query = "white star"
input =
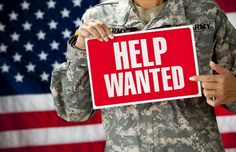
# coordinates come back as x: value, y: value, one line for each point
x: 41, y: 35
x: 17, y: 57
x: 55, y: 64
x: 19, y: 77
x: 54, y: 45
x: 44, y: 76
x: 65, y: 13
x: 39, y: 14
x: 30, y: 67
x: 77, y: 3
x: 1, y: 7
x: 3, y: 48
x: 27, y: 26
x: 15, y: 36
x: 51, y: 4
x: 43, y: 56
x: 5, y: 68
x: 25, y: 5
x: 52, y: 24
x: 28, y: 47
x: 2, y: 27
x: 66, y: 33
x: 13, y: 16
x: 77, y: 22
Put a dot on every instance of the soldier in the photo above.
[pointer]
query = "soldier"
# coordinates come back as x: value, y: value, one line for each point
x: 180, y: 125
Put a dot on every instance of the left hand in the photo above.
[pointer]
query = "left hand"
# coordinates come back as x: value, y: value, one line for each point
x: 218, y: 89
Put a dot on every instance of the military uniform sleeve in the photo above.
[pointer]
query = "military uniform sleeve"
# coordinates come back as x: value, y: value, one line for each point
x: 225, y: 46
x: 70, y: 84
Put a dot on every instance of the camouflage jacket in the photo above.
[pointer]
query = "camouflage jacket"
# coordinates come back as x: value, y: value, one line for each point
x: 180, y: 125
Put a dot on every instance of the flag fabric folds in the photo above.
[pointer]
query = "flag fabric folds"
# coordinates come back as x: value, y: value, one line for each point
x: 33, y: 41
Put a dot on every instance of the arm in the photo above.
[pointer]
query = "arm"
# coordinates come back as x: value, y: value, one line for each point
x: 225, y: 55
x: 70, y: 86
x: 70, y: 82
x: 223, y: 85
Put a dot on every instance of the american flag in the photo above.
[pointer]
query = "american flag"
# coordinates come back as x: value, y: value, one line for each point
x: 33, y: 42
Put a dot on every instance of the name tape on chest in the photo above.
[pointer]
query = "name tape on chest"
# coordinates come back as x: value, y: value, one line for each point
x: 202, y: 27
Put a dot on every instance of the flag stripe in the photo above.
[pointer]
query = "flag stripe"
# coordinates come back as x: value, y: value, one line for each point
x: 230, y: 150
x: 221, y: 111
x: 229, y: 139
x: 231, y: 123
x: 227, y: 5
x: 26, y: 103
x: 77, y: 147
x: 42, y: 119
x: 232, y: 18
x: 51, y: 136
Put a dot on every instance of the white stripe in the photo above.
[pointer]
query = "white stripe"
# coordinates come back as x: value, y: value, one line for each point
x: 51, y: 136
x: 232, y: 18
x: 26, y: 103
x: 230, y: 150
x: 226, y: 124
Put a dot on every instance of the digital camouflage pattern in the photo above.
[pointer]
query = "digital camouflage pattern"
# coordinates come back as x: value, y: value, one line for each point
x: 181, y: 125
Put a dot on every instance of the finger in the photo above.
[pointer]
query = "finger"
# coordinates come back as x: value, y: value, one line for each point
x: 99, y: 26
x: 209, y: 93
x: 93, y: 31
x: 104, y: 31
x: 209, y: 85
x: 205, y: 78
x: 83, y: 33
x: 218, y: 68
x: 212, y: 103
x: 108, y: 31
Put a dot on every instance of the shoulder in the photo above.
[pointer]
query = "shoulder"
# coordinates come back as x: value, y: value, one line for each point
x: 202, y: 8
x: 107, y: 3
x: 201, y: 3
x: 101, y: 10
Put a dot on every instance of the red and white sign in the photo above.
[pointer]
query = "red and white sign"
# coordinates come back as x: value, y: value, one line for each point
x: 142, y: 67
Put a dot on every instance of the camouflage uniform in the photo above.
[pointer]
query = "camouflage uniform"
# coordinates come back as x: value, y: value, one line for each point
x: 181, y: 125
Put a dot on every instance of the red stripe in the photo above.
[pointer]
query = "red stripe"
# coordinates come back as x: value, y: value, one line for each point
x: 44, y: 119
x: 229, y: 140
x: 227, y: 5
x: 81, y: 147
x: 221, y: 111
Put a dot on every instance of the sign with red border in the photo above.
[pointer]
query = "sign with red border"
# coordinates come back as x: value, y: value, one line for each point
x: 142, y: 67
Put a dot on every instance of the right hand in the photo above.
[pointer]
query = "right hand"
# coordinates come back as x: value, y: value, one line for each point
x: 93, y: 29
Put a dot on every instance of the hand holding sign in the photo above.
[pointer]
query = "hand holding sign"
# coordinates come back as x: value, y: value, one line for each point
x: 218, y: 89
x: 92, y: 29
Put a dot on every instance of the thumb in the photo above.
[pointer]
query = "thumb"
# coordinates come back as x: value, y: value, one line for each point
x: 218, y: 68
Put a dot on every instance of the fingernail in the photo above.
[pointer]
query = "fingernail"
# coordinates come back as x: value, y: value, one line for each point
x: 101, y: 40
x: 192, y: 78
x: 106, y: 39
x: 111, y: 36
x: 212, y: 63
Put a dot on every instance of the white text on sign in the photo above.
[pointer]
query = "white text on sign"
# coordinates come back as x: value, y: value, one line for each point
x: 142, y: 81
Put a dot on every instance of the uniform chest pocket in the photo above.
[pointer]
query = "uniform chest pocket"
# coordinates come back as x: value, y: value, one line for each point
x: 204, y: 40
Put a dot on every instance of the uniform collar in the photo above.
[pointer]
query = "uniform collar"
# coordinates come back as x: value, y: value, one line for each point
x: 173, y: 14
